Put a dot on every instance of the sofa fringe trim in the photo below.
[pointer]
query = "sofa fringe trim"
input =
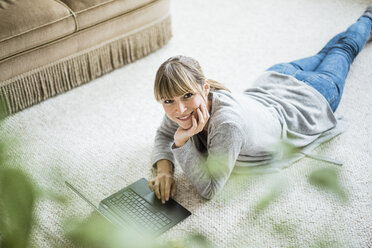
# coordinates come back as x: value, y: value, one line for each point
x: 40, y: 84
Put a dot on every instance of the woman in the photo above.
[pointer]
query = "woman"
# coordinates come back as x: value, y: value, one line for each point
x: 208, y: 130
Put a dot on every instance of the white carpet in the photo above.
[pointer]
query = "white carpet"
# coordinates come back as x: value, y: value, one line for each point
x: 100, y: 136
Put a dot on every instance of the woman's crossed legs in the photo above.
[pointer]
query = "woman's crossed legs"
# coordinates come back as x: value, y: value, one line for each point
x: 327, y: 70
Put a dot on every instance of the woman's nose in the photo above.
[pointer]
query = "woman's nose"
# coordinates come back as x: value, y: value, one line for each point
x: 180, y: 108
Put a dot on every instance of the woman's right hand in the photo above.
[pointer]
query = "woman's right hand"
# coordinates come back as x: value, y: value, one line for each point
x: 164, y: 186
x: 182, y: 135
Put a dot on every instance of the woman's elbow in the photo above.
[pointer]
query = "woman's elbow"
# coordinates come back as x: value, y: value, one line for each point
x: 208, y: 197
x: 208, y: 193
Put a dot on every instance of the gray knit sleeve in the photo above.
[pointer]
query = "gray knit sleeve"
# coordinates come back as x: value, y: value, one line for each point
x: 208, y: 172
x: 164, y: 139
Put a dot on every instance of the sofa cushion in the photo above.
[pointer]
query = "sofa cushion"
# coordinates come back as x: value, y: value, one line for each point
x: 90, y: 12
x: 28, y: 24
x: 56, y: 67
x: 86, y: 39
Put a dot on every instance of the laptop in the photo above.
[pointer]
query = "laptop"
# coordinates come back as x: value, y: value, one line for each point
x: 138, y: 208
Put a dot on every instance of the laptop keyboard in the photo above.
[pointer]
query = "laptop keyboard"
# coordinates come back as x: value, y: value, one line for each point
x: 134, y: 206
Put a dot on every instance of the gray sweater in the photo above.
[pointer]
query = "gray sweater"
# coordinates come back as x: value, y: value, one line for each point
x: 245, y: 130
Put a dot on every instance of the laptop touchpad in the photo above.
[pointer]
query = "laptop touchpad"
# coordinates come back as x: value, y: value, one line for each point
x: 153, y: 200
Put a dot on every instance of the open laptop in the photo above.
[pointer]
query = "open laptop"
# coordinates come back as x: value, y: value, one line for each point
x: 137, y: 207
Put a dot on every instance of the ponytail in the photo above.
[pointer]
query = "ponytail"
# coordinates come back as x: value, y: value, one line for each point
x: 217, y: 86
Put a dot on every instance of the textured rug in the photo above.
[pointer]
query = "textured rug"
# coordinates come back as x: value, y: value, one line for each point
x: 100, y: 136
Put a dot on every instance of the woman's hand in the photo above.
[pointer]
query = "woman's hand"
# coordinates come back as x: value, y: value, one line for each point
x: 183, y: 135
x: 164, y: 186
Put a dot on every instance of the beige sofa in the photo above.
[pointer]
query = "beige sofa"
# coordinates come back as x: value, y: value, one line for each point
x: 50, y: 46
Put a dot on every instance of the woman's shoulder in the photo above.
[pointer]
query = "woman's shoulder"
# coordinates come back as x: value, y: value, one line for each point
x: 225, y: 110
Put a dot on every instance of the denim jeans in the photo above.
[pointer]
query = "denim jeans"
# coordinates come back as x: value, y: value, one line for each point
x: 327, y: 70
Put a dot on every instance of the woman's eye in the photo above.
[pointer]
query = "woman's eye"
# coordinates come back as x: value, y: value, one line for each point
x: 167, y: 101
x: 188, y: 95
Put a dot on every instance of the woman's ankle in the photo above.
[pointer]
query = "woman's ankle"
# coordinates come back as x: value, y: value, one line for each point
x: 368, y: 12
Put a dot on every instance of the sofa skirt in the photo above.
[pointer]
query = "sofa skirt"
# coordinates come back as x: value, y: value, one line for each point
x: 138, y: 38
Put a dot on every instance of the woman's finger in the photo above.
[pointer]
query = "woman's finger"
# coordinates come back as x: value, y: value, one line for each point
x: 156, y: 188
x: 167, y: 190
x: 162, y: 191
x: 151, y: 182
x: 173, y: 190
x: 200, y: 114
x: 201, y: 123
x: 206, y: 112
x: 194, y: 123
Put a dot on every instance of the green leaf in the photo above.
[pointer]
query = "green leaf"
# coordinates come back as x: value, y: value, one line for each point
x: 2, y: 110
x: 50, y: 195
x: 198, y: 241
x: 97, y: 232
x: 326, y: 178
x: 16, y: 208
x: 276, y: 189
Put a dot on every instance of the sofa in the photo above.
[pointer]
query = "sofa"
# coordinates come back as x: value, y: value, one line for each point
x: 48, y: 47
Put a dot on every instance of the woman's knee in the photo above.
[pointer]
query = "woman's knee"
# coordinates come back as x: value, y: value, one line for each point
x: 354, y: 39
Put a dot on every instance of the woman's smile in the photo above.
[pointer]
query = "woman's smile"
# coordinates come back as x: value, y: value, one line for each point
x: 186, y: 118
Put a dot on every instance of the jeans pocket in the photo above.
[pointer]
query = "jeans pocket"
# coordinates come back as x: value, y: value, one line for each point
x: 324, y: 85
x: 284, y: 68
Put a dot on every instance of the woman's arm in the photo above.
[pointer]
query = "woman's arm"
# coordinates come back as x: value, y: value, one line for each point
x: 165, y: 166
x: 208, y: 172
x: 163, y: 182
x: 164, y: 139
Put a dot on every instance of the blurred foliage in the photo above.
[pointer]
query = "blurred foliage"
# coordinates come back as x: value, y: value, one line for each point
x: 327, y: 178
x: 194, y: 240
x: 274, y: 191
x: 17, y: 202
x: 97, y: 232
x: 326, y: 242
x: 286, y: 230
x: 19, y: 195
x: 283, y: 150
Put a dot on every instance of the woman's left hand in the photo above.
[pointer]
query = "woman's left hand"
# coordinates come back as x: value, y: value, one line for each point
x: 183, y: 135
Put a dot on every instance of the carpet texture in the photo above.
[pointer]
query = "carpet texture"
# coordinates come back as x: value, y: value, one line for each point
x: 100, y: 136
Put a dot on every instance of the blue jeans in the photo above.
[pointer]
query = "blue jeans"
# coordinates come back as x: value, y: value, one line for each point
x: 327, y: 70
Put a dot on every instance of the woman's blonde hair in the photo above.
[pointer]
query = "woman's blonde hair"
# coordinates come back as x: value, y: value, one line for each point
x: 179, y: 75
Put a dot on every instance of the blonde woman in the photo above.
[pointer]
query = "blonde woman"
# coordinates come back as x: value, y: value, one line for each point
x: 207, y: 130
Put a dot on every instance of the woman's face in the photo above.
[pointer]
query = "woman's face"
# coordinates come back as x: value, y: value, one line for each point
x: 179, y: 109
